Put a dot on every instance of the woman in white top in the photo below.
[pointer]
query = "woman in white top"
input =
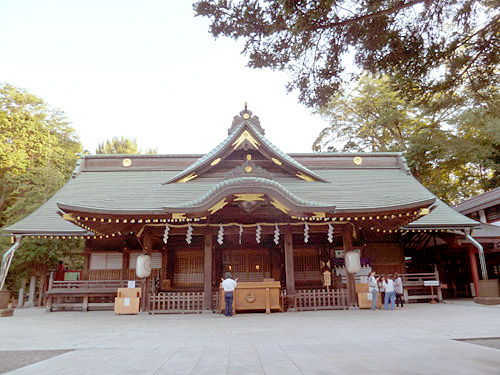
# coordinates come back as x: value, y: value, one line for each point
x: 390, y: 292
x: 373, y: 288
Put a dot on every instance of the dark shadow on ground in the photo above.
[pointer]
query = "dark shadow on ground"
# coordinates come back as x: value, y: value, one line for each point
x: 13, y: 359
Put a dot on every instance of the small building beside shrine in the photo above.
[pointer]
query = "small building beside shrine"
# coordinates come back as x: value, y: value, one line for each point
x: 250, y: 209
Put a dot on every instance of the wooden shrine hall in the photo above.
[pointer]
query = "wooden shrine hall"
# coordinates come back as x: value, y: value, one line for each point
x: 282, y: 221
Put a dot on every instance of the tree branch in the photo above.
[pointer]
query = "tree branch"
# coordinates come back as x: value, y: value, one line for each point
x: 395, y: 8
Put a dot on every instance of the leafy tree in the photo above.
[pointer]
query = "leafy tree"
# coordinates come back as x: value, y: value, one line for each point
x: 430, y: 46
x: 38, y: 152
x: 121, y: 145
x: 449, y: 142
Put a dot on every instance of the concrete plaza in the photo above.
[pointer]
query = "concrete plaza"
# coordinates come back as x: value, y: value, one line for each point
x: 420, y: 339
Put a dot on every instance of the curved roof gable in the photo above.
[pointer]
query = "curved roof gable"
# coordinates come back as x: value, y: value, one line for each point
x: 245, y: 133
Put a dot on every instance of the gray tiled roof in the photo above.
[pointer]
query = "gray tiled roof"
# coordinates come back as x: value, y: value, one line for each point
x: 351, y: 189
x: 489, y: 199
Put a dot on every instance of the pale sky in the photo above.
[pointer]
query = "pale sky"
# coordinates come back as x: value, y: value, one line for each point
x: 144, y: 69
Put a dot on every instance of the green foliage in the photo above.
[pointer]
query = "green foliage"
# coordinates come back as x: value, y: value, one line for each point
x: 121, y: 145
x: 449, y: 142
x: 38, y: 152
x: 432, y: 46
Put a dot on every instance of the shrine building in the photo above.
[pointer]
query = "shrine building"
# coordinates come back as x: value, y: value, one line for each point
x: 248, y: 208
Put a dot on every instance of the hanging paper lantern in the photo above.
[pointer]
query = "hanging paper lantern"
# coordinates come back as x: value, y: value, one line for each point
x: 352, y: 262
x: 306, y: 233
x: 258, y: 233
x: 241, y: 232
x: 189, y: 234
x: 165, y: 234
x: 330, y: 233
x: 143, y: 267
x: 276, y: 235
x: 220, y: 235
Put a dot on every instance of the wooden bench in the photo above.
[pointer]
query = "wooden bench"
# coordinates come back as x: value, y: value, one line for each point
x: 62, y: 294
x: 414, y: 288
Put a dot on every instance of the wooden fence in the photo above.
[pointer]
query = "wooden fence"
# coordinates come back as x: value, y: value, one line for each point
x: 321, y: 299
x: 176, y: 302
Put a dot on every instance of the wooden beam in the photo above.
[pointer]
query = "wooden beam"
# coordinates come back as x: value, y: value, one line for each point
x: 207, y: 271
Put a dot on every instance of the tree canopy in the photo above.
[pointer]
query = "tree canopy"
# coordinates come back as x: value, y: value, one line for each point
x: 450, y: 142
x: 121, y: 145
x: 38, y: 152
x: 430, y: 46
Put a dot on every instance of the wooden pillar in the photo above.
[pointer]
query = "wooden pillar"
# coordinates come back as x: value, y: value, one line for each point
x: 164, y: 267
x: 207, y: 273
x: 473, y: 270
x: 41, y: 289
x: 289, y: 270
x: 347, y: 241
x: 125, y: 265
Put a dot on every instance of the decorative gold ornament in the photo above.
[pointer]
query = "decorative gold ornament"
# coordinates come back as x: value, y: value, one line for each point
x: 248, y: 169
x: 246, y: 116
x: 304, y: 177
x: 215, y: 162
x: 276, y: 161
x: 358, y: 160
x: 69, y: 217
x: 280, y: 206
x: 127, y: 162
x: 190, y: 177
x: 424, y: 211
x: 249, y: 157
x: 218, y: 206
x: 246, y: 136
x: 319, y: 214
x: 249, y: 197
x: 179, y: 216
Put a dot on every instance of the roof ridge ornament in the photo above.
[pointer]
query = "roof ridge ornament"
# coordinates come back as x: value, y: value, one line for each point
x: 246, y: 116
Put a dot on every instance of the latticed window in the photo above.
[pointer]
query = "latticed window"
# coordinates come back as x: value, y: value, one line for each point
x: 106, y: 261
x: 188, y: 269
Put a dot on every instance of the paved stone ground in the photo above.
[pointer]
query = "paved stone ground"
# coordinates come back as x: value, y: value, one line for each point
x: 421, y: 339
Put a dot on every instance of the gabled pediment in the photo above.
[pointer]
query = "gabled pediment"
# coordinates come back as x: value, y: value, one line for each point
x: 246, y: 134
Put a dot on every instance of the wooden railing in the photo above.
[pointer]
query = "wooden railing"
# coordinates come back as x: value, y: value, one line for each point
x: 321, y: 299
x: 176, y: 302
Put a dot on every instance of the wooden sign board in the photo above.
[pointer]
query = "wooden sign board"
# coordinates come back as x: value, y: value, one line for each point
x: 431, y: 282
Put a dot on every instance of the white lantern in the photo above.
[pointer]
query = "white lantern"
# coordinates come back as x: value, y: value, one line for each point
x: 143, y: 268
x: 352, y: 262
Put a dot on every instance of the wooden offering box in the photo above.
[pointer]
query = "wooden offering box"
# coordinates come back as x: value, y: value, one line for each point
x: 254, y: 296
x: 128, y: 301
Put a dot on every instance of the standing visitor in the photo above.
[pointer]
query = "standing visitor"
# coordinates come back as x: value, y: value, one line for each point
x: 228, y: 285
x: 390, y: 292
x: 381, y: 287
x: 373, y: 288
x: 398, y: 285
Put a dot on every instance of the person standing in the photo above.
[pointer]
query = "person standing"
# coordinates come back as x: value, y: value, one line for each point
x: 390, y: 293
x: 398, y: 285
x: 228, y: 285
x: 373, y: 289
x: 381, y: 287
